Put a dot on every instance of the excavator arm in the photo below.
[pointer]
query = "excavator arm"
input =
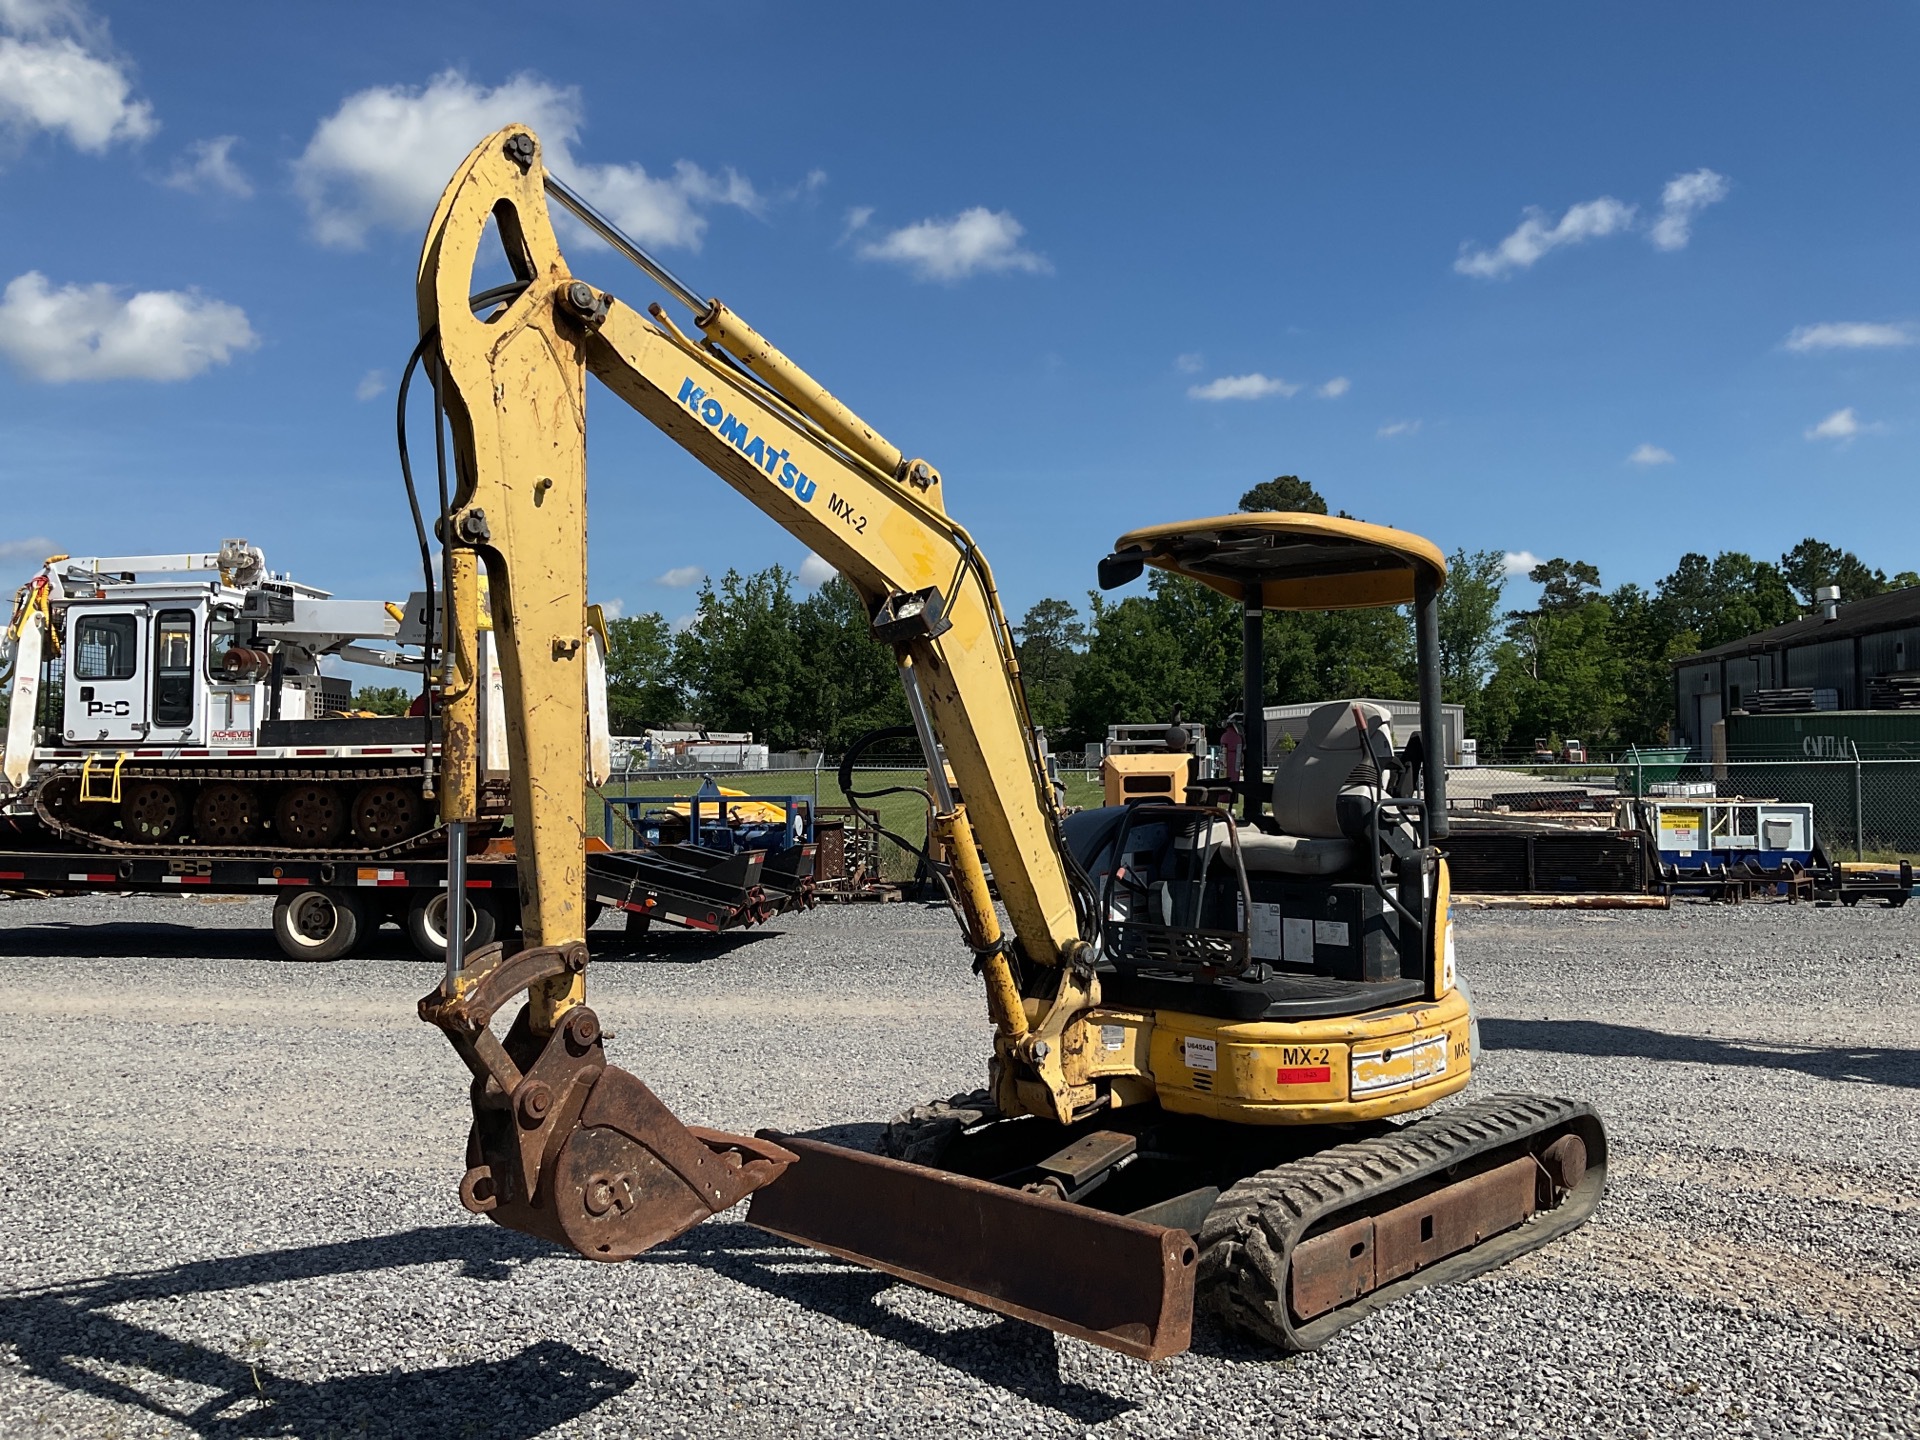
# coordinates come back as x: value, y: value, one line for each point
x: 565, y: 1145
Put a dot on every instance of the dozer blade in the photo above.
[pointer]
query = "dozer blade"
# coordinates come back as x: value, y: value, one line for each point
x: 1117, y: 1282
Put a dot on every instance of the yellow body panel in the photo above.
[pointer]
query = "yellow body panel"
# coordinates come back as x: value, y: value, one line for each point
x: 1264, y: 1072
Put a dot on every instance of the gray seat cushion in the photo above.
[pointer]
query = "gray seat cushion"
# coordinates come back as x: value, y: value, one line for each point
x: 1293, y: 854
x: 1330, y: 761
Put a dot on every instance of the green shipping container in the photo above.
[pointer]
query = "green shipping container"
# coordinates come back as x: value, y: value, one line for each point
x: 1825, y: 735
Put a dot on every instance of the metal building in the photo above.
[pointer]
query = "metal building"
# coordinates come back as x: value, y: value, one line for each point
x: 1837, y: 654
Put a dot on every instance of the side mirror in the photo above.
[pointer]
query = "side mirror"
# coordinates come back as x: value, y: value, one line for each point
x: 1123, y: 569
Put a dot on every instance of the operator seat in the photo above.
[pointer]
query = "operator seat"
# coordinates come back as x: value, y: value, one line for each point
x: 1327, y: 779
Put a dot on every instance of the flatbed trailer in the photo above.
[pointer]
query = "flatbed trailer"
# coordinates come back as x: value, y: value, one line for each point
x: 326, y: 909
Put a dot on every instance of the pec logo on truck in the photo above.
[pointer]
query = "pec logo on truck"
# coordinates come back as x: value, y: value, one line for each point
x: 109, y: 707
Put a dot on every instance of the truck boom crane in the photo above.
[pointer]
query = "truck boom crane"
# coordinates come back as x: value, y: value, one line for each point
x: 566, y: 1146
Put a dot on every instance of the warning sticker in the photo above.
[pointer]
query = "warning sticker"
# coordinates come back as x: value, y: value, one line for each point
x: 1113, y: 1037
x: 1296, y: 937
x: 1199, y: 1054
x: 1330, y: 932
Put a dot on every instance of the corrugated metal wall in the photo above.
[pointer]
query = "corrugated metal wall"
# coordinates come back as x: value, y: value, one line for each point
x: 1891, y: 652
x: 1827, y: 665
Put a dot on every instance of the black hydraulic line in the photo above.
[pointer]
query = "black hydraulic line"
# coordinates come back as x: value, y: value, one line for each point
x: 1426, y: 630
x: 429, y: 339
x: 1253, y: 715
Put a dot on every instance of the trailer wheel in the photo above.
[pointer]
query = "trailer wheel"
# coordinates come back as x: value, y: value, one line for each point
x: 427, y: 925
x: 318, y: 924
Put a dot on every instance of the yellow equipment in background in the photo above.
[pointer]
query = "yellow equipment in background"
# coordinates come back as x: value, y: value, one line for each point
x: 1144, y: 777
x: 1187, y: 1004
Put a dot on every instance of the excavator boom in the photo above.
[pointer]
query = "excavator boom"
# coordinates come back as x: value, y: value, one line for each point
x: 564, y: 1145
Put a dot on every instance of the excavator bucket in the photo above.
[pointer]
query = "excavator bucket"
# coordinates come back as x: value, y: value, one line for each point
x: 569, y: 1148
x: 1118, y: 1282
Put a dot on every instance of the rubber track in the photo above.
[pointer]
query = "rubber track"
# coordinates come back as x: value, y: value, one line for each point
x: 425, y: 841
x: 1247, y: 1242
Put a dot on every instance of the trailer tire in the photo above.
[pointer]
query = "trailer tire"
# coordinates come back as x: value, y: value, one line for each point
x: 427, y: 924
x: 318, y: 924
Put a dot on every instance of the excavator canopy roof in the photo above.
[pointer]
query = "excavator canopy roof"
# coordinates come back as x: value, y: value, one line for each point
x: 1299, y: 561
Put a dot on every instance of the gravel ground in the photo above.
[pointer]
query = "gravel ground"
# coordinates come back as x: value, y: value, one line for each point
x: 228, y: 1200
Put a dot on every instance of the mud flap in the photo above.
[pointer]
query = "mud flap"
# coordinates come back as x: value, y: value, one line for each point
x: 1121, y: 1283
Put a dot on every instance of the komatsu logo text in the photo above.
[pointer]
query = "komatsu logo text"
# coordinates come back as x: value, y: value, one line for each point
x: 767, y: 456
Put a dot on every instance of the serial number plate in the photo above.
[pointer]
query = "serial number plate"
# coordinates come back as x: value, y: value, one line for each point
x: 1374, y: 1071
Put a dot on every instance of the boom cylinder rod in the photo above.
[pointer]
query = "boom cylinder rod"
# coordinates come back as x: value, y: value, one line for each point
x: 456, y: 905
x: 609, y: 232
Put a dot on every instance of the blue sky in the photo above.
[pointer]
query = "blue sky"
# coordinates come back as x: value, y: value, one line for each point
x: 1610, y: 283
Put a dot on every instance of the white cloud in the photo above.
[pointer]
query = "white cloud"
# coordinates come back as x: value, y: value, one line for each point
x: 1850, y: 335
x: 1334, y: 388
x: 36, y: 548
x: 1650, y: 455
x: 680, y: 577
x: 683, y: 622
x: 1685, y: 196
x: 1519, y: 562
x: 614, y: 609
x: 815, y: 572
x: 92, y: 332
x: 857, y: 219
x: 1841, y: 425
x: 1189, y: 364
x: 208, y: 165
x: 372, y: 385
x: 384, y: 156
x: 1681, y: 201
x: 1398, y: 427
x: 972, y: 241
x: 1243, y: 387
x: 57, y: 74
x: 1590, y: 220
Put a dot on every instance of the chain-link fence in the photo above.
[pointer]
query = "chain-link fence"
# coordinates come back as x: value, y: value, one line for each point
x: 1862, y: 809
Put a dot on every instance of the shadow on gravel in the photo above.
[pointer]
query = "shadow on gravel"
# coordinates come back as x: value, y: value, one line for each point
x: 1009, y: 1354
x: 129, y: 940
x: 66, y: 1336
x: 1866, y: 1065
x: 680, y: 947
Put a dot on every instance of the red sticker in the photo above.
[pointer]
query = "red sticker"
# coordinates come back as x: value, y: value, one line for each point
x: 1305, y: 1074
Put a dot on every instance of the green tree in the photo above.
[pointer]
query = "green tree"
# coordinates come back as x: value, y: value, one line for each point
x: 736, y: 661
x: 1560, y: 672
x: 851, y: 684
x: 1284, y: 492
x: 1050, y: 640
x: 1470, y: 628
x: 642, y: 693
x: 383, y: 699
x: 1176, y: 648
x: 1723, y: 599
x: 1814, y: 563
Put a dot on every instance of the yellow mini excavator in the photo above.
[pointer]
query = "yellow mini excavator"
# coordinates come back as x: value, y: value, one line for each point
x: 1211, y: 1013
